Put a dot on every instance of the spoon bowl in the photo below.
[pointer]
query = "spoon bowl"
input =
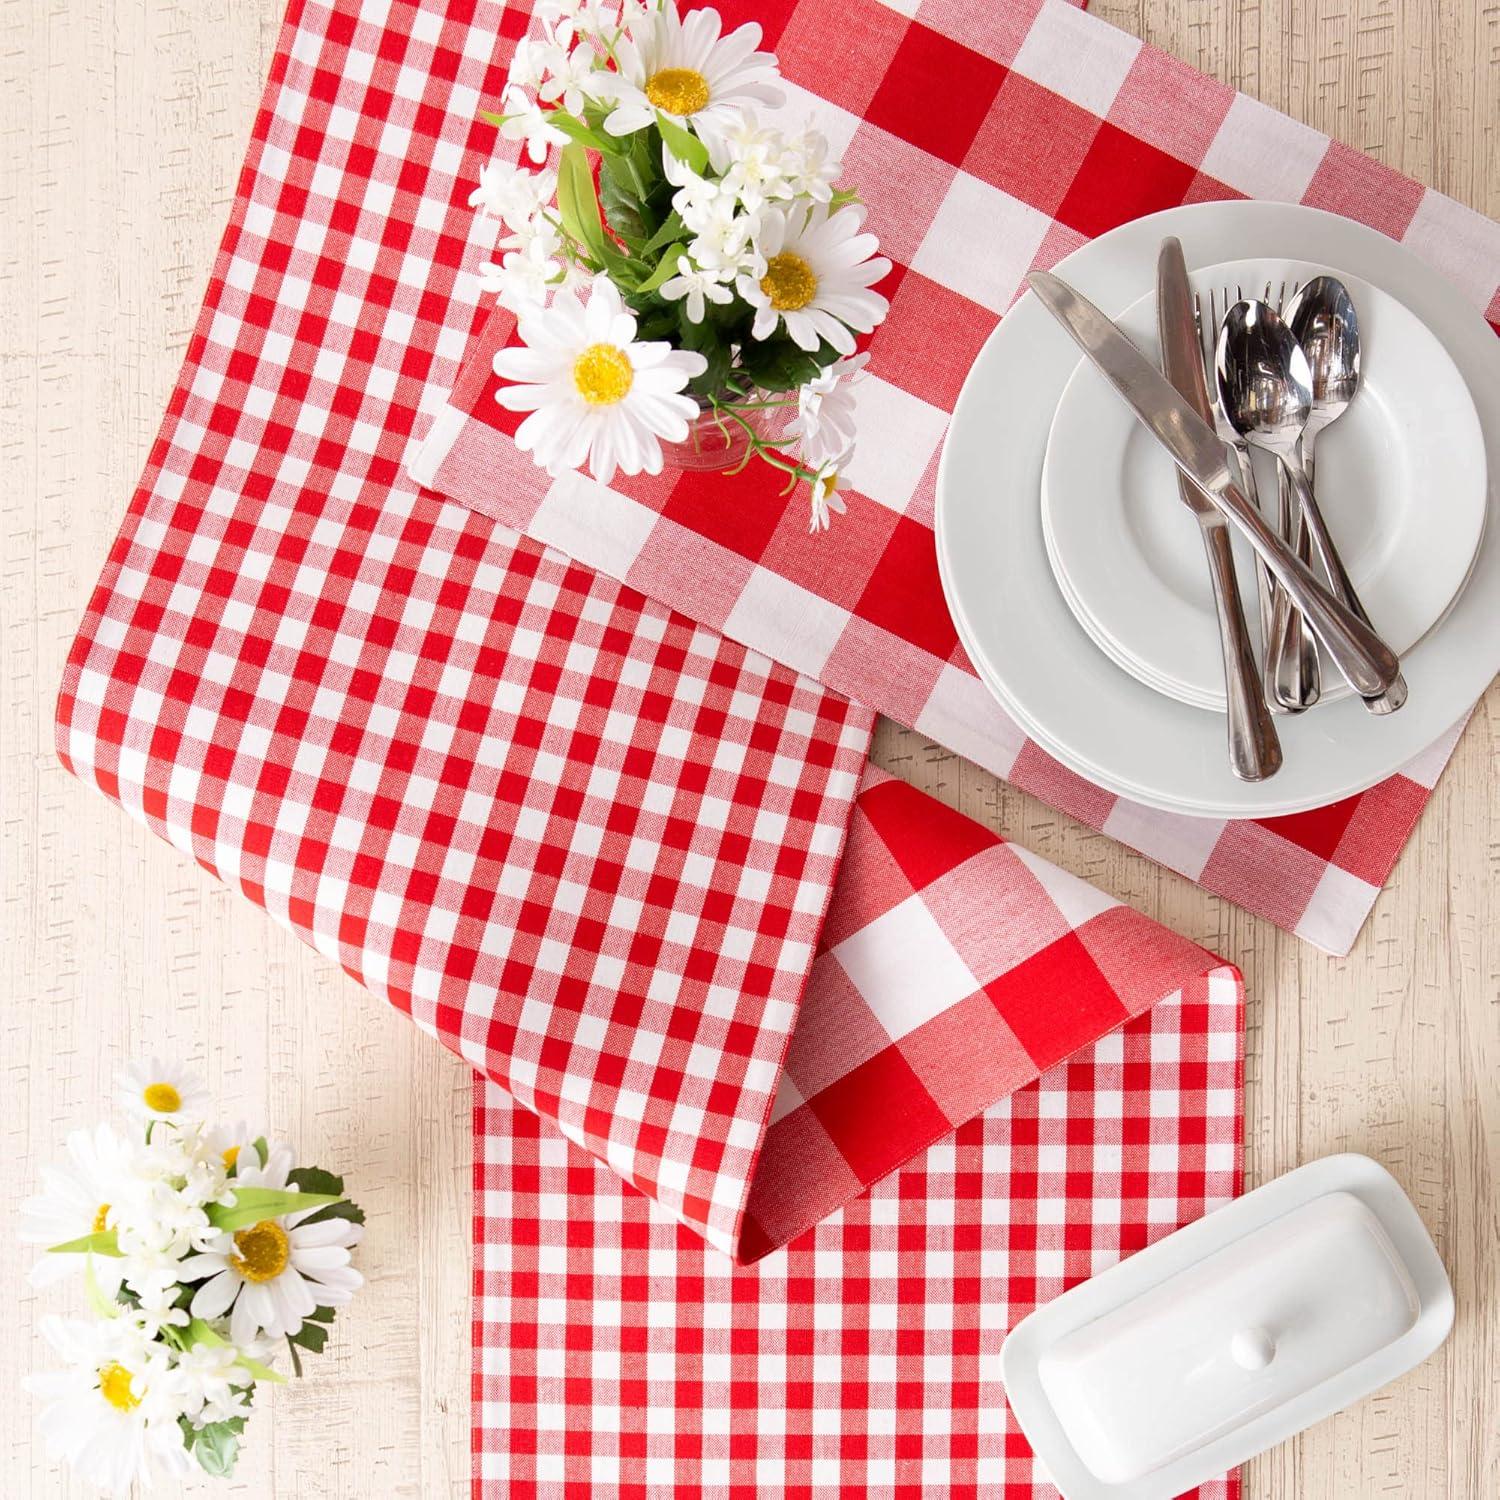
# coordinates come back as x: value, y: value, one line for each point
x: 1323, y: 320
x: 1265, y: 381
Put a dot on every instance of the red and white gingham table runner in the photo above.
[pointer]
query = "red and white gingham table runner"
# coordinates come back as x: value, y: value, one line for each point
x: 595, y: 847
x: 987, y: 139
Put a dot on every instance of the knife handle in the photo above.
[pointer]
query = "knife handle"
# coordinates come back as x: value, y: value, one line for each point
x: 1254, y: 747
x: 1368, y: 663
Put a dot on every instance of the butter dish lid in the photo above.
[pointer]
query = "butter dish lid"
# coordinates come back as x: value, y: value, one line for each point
x: 1230, y: 1335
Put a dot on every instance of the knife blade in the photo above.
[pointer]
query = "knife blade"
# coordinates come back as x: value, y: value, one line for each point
x: 1254, y: 746
x: 1368, y: 663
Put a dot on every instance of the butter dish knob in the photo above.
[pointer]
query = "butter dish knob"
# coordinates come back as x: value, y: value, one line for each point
x: 1252, y: 1348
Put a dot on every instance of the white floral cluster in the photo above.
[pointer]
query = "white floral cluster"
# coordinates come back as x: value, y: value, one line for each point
x: 202, y: 1252
x: 731, y: 225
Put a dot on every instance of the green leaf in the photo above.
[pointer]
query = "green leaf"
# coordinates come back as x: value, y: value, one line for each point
x: 315, y: 1180
x: 344, y: 1209
x: 311, y: 1336
x: 683, y: 144
x: 252, y: 1204
x: 666, y: 269
x: 262, y: 1149
x: 494, y: 119
x: 576, y: 130
x: 672, y: 228
x: 841, y: 196
x: 218, y: 1445
x: 577, y: 204
x: 777, y: 364
x: 622, y: 207
x: 102, y: 1243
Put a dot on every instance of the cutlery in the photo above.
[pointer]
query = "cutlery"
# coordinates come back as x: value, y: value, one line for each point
x: 1323, y: 321
x: 1264, y: 587
x: 1370, y: 665
x: 1291, y: 663
x: 1265, y: 385
x: 1254, y: 747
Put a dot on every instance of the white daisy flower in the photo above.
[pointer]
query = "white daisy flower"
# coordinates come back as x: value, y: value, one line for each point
x: 725, y: 241
x: 573, y: 79
x: 162, y: 1092
x: 810, y: 167
x: 593, y: 393
x: 527, y: 123
x: 231, y: 1142
x: 753, y: 162
x: 824, y: 424
x: 530, y: 62
x: 590, y: 20
x: 75, y: 1202
x: 156, y: 1303
x: 685, y: 69
x: 696, y: 286
x: 817, y: 278
x: 510, y: 193
x: 112, y: 1413
x: 826, y: 498
x: 270, y: 1276
x: 214, y: 1383
x: 524, y: 276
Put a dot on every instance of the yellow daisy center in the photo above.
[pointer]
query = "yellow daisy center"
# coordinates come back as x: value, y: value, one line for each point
x: 603, y: 375
x: 231, y: 1157
x: 101, y: 1219
x: 677, y: 91
x: 114, y: 1386
x: 789, y: 282
x: 162, y: 1098
x: 264, y: 1250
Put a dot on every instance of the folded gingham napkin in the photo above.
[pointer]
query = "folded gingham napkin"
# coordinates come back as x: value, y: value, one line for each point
x: 636, y: 873
x: 986, y: 141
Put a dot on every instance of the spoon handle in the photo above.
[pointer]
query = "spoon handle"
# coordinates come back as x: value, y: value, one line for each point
x: 1394, y: 694
x: 1364, y: 659
x: 1291, y: 666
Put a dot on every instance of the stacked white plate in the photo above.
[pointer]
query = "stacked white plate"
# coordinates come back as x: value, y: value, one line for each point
x: 1078, y: 580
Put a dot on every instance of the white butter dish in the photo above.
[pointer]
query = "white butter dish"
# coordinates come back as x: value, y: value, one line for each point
x: 1230, y: 1335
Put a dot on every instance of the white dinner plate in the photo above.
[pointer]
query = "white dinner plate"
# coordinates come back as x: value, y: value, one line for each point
x: 1401, y: 482
x: 1018, y: 631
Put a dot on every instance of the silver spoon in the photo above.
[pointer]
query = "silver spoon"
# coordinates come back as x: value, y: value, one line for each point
x: 1266, y: 387
x: 1322, y: 319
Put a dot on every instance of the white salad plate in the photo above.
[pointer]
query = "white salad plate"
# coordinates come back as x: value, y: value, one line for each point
x: 1017, y: 628
x: 1400, y: 478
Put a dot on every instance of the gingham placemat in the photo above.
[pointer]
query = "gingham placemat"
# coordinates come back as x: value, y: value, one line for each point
x: 986, y: 140
x: 590, y: 844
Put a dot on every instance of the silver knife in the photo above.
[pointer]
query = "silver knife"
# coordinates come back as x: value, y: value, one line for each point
x: 1368, y: 663
x: 1254, y: 747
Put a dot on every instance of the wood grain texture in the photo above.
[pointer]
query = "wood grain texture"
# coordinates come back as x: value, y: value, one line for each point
x: 123, y: 126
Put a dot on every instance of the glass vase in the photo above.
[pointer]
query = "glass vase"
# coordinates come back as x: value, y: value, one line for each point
x: 715, y: 441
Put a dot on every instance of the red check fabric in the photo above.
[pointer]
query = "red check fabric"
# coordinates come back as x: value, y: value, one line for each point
x: 614, y: 1356
x: 1026, y: 128
x: 594, y: 846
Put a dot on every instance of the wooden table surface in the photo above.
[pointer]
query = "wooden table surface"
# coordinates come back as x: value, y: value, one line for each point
x: 124, y: 123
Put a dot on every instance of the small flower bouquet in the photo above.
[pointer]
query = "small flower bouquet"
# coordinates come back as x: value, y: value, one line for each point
x: 681, y: 271
x: 203, y: 1251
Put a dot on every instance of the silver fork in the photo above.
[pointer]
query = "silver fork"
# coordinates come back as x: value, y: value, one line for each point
x: 1208, y: 335
x: 1291, y: 668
